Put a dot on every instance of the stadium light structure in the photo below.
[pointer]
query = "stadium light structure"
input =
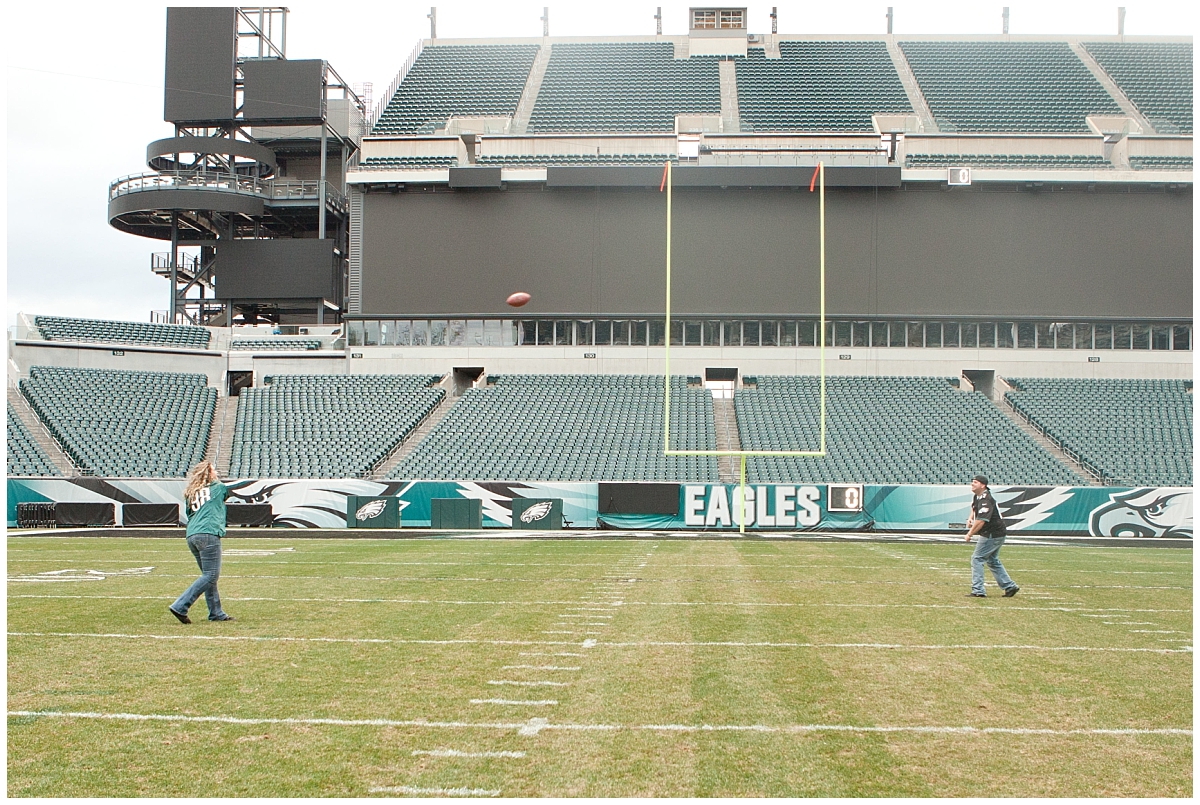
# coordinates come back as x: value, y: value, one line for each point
x: 817, y: 180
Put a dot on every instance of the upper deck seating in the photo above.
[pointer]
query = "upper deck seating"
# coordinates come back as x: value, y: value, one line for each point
x: 1031, y: 161
x: 558, y: 160
x: 409, y: 163
x: 887, y: 430
x: 568, y: 428
x: 1155, y: 76
x: 1160, y: 162
x: 1135, y: 432
x: 274, y: 344
x: 457, y: 80
x: 818, y: 86
x: 623, y: 87
x: 124, y: 424
x: 326, y: 426
x: 1007, y: 86
x: 25, y: 455
x: 60, y: 328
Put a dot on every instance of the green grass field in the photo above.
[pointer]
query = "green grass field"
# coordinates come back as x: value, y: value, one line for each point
x: 597, y: 668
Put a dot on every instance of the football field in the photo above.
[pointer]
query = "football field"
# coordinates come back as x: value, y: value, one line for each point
x: 597, y: 667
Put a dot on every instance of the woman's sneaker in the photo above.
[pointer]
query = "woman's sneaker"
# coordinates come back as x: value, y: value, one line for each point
x: 1010, y: 592
x: 182, y: 617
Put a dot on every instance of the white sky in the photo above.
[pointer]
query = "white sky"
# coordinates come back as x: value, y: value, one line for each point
x: 84, y: 98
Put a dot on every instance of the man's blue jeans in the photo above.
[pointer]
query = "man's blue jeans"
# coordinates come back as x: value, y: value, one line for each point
x: 207, y: 550
x: 987, y: 552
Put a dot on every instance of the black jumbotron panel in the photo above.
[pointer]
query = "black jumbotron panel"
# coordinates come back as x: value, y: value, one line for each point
x: 754, y: 252
x: 279, y: 91
x: 200, y: 64
x: 285, y: 268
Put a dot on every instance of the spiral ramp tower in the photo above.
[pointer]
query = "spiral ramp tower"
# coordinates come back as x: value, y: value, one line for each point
x: 250, y: 192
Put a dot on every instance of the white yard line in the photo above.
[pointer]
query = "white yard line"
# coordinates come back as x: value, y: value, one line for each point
x: 540, y: 667
x: 542, y: 724
x: 592, y: 642
x: 518, y: 702
x: 560, y: 580
x: 608, y: 607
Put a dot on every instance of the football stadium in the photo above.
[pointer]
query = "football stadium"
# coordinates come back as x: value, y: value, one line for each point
x: 599, y: 415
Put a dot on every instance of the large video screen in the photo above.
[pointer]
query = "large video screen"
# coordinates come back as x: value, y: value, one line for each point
x: 889, y: 252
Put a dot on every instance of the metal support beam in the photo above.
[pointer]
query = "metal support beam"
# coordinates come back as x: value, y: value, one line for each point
x: 321, y: 189
x: 174, y: 266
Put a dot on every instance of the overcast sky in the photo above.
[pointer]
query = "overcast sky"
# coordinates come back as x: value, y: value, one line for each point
x: 84, y: 98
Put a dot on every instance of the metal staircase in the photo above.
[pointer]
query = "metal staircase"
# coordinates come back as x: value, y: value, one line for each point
x: 725, y: 420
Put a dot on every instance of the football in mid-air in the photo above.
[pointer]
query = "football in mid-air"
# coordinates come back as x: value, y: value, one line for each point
x: 518, y: 299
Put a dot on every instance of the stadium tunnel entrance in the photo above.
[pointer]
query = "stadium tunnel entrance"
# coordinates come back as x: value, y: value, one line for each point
x: 983, y: 380
x: 721, y: 382
x: 466, y: 377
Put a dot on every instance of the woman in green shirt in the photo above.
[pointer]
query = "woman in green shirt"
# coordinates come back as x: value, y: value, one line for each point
x: 204, y: 497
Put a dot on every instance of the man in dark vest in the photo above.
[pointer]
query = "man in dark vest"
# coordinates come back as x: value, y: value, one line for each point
x: 986, y: 521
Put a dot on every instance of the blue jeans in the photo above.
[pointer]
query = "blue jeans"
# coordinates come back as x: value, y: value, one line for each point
x: 987, y: 552
x: 207, y: 550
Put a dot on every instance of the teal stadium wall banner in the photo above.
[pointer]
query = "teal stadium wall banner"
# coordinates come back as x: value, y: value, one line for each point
x: 780, y: 508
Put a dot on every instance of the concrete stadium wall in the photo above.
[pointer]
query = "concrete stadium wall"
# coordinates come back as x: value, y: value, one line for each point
x: 949, y: 362
x: 116, y: 356
x: 773, y: 360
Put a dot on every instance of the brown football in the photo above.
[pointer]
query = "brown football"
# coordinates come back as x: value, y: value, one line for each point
x: 518, y: 299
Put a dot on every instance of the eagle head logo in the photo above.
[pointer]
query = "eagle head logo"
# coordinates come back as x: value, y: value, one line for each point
x: 370, y: 510
x: 1144, y: 513
x: 537, y: 511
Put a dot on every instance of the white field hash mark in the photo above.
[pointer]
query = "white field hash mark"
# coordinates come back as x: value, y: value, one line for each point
x: 435, y: 792
x: 528, y: 684
x: 538, y: 724
x: 458, y: 753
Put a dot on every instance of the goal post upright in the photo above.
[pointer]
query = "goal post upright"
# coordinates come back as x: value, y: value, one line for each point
x: 667, y: 183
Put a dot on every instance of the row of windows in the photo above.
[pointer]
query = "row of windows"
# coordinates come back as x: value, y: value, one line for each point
x: 768, y: 332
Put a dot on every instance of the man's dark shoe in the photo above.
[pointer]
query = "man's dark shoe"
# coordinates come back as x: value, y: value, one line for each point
x: 976, y: 595
x: 226, y: 618
x: 1009, y: 593
x: 182, y: 618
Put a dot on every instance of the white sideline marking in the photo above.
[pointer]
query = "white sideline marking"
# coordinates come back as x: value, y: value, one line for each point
x: 528, y: 684
x: 541, y: 667
x: 457, y: 753
x: 534, y: 725
x: 435, y: 792
x: 531, y: 702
